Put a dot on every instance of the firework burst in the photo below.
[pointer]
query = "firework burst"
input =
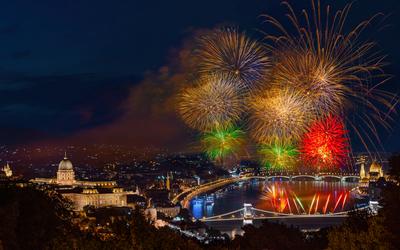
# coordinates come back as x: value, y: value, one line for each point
x: 213, y: 103
x: 279, y: 115
x: 316, y: 81
x: 325, y: 144
x: 313, y: 76
x: 277, y: 156
x: 231, y: 53
x: 332, y: 68
x: 222, y: 141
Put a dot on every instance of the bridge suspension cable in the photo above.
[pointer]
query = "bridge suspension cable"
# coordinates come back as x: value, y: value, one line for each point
x: 225, y: 214
x: 280, y: 215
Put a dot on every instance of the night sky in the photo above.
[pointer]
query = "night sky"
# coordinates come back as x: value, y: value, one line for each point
x: 100, y: 71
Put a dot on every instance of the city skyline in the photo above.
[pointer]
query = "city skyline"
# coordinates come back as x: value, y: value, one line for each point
x: 218, y: 125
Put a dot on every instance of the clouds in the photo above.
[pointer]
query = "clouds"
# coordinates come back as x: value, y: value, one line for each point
x: 149, y: 115
x: 60, y: 104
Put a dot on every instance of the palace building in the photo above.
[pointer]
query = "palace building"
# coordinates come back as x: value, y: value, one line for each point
x: 66, y: 177
x: 85, y: 193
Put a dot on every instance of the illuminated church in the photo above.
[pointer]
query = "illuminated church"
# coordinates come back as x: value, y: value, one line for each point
x: 84, y: 193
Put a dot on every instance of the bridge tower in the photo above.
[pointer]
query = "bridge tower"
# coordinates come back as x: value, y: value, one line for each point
x: 247, y: 214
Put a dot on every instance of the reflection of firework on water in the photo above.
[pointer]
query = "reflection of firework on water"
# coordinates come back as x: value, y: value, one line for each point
x: 229, y: 52
x: 277, y: 196
x: 222, y: 141
x: 325, y: 144
x: 278, y: 156
x: 279, y: 115
x: 327, y: 203
x: 282, y: 200
x: 214, y: 103
x: 332, y: 68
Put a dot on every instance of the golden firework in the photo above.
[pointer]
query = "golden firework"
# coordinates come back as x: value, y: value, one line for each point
x: 317, y: 81
x: 213, y: 103
x: 335, y: 70
x: 231, y: 53
x: 279, y: 115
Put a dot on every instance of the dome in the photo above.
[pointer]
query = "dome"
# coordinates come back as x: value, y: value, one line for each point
x: 375, y: 168
x: 65, y: 164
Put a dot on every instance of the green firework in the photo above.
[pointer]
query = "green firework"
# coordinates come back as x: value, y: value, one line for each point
x: 222, y: 142
x: 278, y: 156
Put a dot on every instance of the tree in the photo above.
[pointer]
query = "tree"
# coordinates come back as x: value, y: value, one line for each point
x: 360, y: 231
x: 391, y: 202
x: 270, y: 236
x: 35, y: 219
x: 394, y: 164
x: 363, y: 231
x: 31, y: 218
x: 145, y: 236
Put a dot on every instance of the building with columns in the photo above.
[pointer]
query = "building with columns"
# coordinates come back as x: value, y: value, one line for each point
x: 85, y: 193
x: 66, y: 177
x: 65, y: 173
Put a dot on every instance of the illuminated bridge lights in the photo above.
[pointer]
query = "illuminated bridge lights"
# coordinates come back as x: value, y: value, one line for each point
x: 248, y: 214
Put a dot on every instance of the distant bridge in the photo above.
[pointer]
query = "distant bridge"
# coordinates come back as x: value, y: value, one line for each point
x: 316, y: 177
x: 189, y: 194
x: 185, y: 196
x: 248, y: 213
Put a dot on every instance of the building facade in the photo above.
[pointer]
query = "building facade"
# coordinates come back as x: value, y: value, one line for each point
x: 103, y: 197
x: 85, y: 193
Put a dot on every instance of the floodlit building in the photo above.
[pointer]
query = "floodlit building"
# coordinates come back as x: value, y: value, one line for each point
x: 96, y: 197
x: 85, y: 193
x: 374, y: 173
x: 7, y: 170
x: 66, y: 177
x: 171, y: 211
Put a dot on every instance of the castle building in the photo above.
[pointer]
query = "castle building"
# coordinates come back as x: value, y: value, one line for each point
x: 65, y: 173
x: 66, y: 177
x: 85, y: 193
x: 96, y: 197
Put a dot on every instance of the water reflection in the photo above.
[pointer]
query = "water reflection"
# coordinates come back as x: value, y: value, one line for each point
x: 283, y: 199
x: 297, y: 197
x: 197, y: 208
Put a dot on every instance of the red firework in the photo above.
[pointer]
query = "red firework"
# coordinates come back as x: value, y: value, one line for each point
x: 325, y: 145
